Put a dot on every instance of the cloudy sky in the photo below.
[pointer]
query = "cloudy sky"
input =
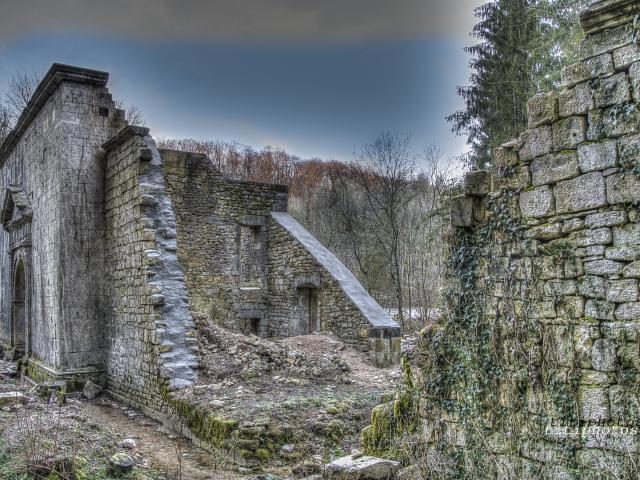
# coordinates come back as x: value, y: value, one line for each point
x: 316, y: 77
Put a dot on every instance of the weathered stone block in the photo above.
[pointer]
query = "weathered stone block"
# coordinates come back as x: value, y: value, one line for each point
x: 554, y: 167
x: 603, y: 355
x: 624, y: 404
x: 538, y: 202
x: 581, y: 193
x: 546, y: 231
x: 478, y: 183
x: 628, y: 253
x: 596, y: 236
x: 554, y: 288
x: 597, y: 156
x: 627, y: 235
x: 599, y: 309
x: 620, y: 120
x: 594, y: 250
x: 623, y: 188
x: 594, y: 403
x: 573, y: 224
x: 605, y: 219
x: 542, y: 109
x: 621, y: 291
x: 603, y: 267
x: 573, y: 74
x: 628, y: 312
x: 611, y: 90
x: 593, y: 67
x: 595, y: 128
x: 629, y: 149
x: 634, y: 77
x: 535, y: 143
x: 462, y: 211
x: 569, y: 133
x: 605, y: 40
x: 632, y: 270
x: 505, y: 157
x: 519, y: 177
x: 360, y: 468
x: 575, y: 101
x: 625, y: 56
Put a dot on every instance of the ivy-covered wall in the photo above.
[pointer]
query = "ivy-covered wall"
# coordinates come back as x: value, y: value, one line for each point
x: 534, y: 372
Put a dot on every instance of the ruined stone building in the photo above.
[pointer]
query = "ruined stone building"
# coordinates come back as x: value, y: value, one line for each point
x: 111, y: 250
x: 534, y: 371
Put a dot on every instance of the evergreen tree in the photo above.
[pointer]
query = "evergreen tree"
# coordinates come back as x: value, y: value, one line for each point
x: 523, y: 45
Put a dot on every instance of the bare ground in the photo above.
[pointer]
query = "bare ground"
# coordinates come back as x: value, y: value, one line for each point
x: 314, y: 388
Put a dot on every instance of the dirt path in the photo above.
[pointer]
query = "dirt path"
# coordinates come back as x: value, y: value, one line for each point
x: 155, y: 446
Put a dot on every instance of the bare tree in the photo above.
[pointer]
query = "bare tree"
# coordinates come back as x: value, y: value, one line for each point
x: 384, y: 170
x: 132, y: 114
x: 5, y: 122
x: 21, y: 88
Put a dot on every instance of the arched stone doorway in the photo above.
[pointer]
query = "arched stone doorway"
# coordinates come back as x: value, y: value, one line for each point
x: 19, y: 309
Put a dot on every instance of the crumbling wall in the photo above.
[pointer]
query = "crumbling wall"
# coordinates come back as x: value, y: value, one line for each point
x: 533, y: 373
x: 245, y: 260
x: 218, y: 220
x: 152, y: 346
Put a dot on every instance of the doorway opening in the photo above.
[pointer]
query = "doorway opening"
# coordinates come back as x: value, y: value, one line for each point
x: 308, y: 310
x: 19, y: 310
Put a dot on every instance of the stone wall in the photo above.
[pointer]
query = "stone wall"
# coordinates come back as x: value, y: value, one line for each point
x: 151, y: 340
x: 222, y: 243
x: 540, y: 346
x: 49, y: 157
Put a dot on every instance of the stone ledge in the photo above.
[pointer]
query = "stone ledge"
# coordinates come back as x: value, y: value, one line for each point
x: 57, y: 74
x: 608, y: 14
x: 123, y: 135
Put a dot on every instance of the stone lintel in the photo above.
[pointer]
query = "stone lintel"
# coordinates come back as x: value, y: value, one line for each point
x: 605, y: 14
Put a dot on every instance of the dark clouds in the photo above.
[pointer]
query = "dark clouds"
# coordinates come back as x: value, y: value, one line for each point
x: 246, y: 21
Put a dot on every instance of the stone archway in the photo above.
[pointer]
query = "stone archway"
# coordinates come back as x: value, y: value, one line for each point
x: 19, y: 321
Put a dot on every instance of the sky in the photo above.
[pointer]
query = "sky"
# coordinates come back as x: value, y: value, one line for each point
x: 318, y: 78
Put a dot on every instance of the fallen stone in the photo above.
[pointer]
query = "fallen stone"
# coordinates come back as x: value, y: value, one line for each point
x: 8, y: 369
x: 411, y: 472
x: 360, y: 468
x: 8, y: 399
x: 91, y: 390
x: 287, y: 448
x: 120, y: 463
x: 128, y: 443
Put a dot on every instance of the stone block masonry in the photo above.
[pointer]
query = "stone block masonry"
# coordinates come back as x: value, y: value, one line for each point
x: 539, y: 350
